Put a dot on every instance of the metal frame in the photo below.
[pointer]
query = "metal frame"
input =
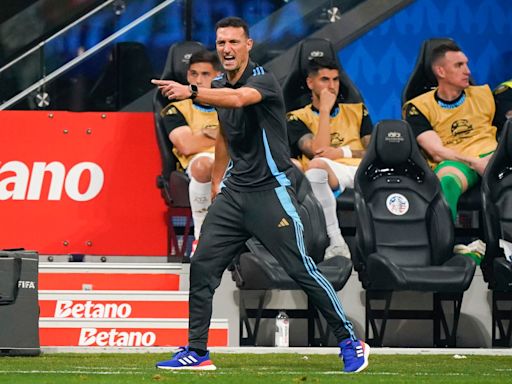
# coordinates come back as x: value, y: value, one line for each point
x: 74, y: 62
x: 500, y: 316
x: 175, y: 252
x: 437, y: 314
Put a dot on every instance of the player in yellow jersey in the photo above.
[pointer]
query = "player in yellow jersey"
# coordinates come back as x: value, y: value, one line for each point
x: 192, y: 128
x: 453, y: 124
x: 331, y: 138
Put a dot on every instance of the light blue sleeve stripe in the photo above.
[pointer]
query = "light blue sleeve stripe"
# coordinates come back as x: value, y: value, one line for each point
x: 279, y: 175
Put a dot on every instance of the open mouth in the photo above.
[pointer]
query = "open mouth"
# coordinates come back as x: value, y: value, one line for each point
x: 229, y: 59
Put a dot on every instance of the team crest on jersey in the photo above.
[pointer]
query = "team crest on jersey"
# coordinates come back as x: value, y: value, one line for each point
x: 397, y: 204
x: 461, y: 127
x: 171, y: 111
x: 336, y: 139
x: 413, y: 111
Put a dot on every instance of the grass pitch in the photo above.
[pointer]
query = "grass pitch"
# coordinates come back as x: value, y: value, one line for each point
x: 254, y: 368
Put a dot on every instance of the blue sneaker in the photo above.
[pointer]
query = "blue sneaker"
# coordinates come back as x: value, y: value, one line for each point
x: 188, y: 360
x: 354, y: 354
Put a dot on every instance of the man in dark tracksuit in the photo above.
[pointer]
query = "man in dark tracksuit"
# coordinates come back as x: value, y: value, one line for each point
x: 255, y: 196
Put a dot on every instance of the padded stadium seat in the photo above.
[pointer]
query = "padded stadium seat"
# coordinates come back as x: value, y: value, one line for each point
x: 258, y: 270
x: 172, y: 183
x: 497, y: 212
x: 503, y: 99
x: 405, y: 235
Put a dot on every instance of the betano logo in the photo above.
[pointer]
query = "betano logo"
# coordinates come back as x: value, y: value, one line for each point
x: 87, y: 310
x: 114, y: 338
x: 19, y: 182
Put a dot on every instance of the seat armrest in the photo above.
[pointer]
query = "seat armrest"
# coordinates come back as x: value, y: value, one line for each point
x: 178, y: 189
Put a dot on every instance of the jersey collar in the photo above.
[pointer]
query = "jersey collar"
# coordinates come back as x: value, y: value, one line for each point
x: 243, y: 79
x: 334, y: 111
x: 450, y: 104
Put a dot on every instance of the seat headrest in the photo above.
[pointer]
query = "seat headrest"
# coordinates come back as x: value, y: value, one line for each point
x: 393, y: 142
x: 295, y: 90
x: 422, y: 78
x: 507, y: 137
x: 178, y: 56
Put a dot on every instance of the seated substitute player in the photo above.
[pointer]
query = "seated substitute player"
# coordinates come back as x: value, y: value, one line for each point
x: 192, y: 128
x: 331, y: 138
x: 453, y: 125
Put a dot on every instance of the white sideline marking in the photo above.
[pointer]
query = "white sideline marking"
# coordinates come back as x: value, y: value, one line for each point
x: 81, y: 372
x: 292, y: 350
x: 229, y: 371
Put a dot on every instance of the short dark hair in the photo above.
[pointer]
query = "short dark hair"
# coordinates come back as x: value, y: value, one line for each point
x: 440, y: 51
x: 205, y: 56
x: 233, y: 21
x: 318, y: 63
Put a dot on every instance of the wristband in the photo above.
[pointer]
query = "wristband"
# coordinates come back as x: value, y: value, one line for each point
x: 193, y: 91
x: 347, y: 152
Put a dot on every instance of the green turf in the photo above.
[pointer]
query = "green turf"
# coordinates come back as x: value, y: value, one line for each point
x: 254, y: 368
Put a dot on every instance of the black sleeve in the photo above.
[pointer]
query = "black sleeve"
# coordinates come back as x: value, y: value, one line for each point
x: 266, y: 84
x: 173, y: 118
x: 296, y: 129
x: 366, y: 123
x: 416, y: 120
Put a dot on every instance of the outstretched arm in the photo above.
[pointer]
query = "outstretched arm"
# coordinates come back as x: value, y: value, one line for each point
x: 217, y: 97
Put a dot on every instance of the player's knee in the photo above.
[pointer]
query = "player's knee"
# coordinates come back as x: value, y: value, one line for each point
x: 298, y: 164
x: 201, y: 169
x: 317, y: 175
x: 318, y: 164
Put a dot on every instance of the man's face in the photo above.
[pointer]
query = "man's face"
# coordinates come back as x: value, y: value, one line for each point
x: 324, y: 79
x: 233, y: 48
x: 201, y: 74
x: 453, y: 70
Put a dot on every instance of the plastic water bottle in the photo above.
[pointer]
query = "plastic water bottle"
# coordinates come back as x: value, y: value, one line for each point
x: 282, y: 335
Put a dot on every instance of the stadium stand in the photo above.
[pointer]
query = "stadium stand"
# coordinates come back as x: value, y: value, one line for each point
x: 172, y: 183
x: 497, y: 209
x: 405, y: 236
x: 258, y: 270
